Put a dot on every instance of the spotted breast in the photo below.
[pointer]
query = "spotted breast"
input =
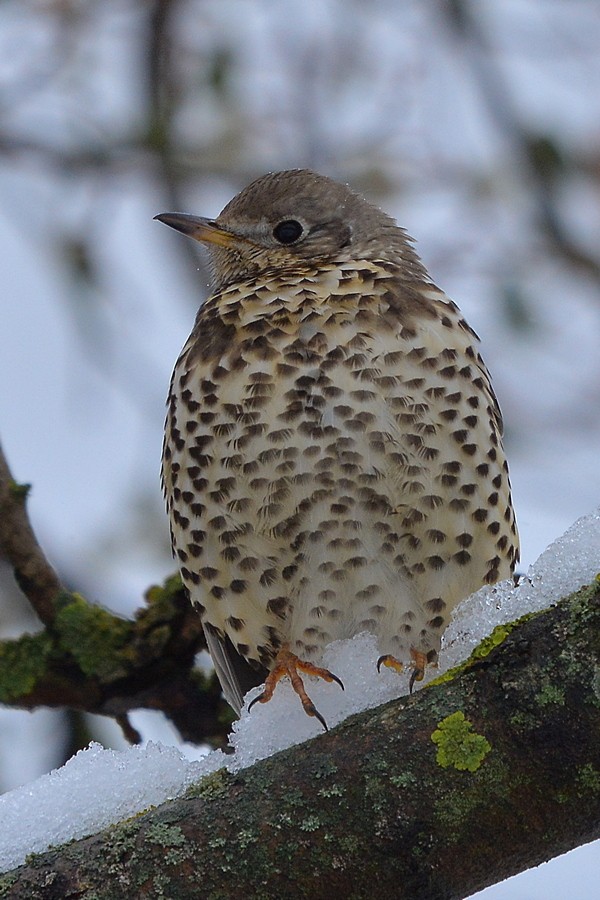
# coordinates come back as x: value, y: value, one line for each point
x: 333, y: 457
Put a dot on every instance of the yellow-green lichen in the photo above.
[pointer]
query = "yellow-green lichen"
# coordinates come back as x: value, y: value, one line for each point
x: 493, y: 640
x: 22, y: 662
x: 93, y: 636
x: 159, y: 598
x: 489, y: 643
x: 458, y: 745
x: 211, y: 786
x: 19, y: 491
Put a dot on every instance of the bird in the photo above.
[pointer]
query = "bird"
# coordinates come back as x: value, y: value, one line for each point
x: 333, y: 459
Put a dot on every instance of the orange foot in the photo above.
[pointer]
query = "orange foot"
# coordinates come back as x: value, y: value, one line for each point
x: 287, y: 663
x: 419, y: 661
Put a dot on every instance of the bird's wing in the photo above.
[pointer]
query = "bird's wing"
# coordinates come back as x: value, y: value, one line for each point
x: 236, y: 675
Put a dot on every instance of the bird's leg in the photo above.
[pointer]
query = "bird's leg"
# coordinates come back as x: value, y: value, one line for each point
x: 287, y: 663
x: 419, y: 661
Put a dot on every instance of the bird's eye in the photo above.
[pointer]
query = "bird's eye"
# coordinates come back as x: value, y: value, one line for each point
x: 288, y: 231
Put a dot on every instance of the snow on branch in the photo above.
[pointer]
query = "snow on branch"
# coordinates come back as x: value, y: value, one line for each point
x: 437, y: 795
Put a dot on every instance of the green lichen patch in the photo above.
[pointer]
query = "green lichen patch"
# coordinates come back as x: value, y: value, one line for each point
x: 154, y: 622
x: 22, y: 662
x: 583, y: 612
x: 159, y: 598
x: 458, y: 745
x: 310, y: 823
x: 7, y: 881
x: 483, y: 649
x: 493, y: 640
x: 325, y: 769
x: 551, y: 695
x: 19, y: 491
x: 403, y: 780
x: 172, y: 840
x: 93, y: 636
x: 588, y: 778
x: 211, y: 786
x: 165, y: 835
x: 334, y: 790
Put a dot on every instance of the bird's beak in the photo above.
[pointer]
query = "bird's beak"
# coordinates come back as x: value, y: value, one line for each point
x: 204, y: 230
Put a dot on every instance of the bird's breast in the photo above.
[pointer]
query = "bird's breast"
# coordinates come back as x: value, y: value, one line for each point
x: 336, y: 465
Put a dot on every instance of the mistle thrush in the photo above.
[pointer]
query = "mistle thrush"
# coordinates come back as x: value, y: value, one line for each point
x: 333, y: 457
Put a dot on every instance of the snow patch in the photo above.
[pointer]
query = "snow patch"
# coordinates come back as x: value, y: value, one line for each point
x: 568, y: 563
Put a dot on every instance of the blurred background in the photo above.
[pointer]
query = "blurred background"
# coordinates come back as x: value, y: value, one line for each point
x: 477, y: 125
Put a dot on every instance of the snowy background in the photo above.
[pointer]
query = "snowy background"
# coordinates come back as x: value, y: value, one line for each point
x: 476, y: 124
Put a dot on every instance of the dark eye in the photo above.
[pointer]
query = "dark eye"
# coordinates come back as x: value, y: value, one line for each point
x: 288, y: 231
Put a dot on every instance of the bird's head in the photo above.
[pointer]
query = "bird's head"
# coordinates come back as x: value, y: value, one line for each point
x: 287, y: 221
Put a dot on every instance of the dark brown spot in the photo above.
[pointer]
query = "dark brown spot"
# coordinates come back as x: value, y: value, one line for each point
x: 435, y: 605
x: 268, y: 577
x: 453, y: 467
x: 459, y: 436
x: 230, y: 554
x: 278, y: 605
x: 448, y: 480
x: 462, y: 557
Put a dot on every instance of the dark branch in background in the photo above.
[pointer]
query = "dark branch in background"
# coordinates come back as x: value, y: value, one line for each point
x: 19, y: 547
x: 432, y: 796
x: 539, y: 154
x: 164, y: 95
x: 91, y: 660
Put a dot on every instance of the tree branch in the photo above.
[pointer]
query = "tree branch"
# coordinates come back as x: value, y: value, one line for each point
x: 488, y: 772
x: 18, y: 545
x: 91, y: 660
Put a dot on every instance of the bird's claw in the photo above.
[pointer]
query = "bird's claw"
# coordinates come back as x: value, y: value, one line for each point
x: 418, y: 663
x: 288, y: 664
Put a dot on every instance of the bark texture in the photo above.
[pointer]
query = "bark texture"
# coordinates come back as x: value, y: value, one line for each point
x: 489, y: 772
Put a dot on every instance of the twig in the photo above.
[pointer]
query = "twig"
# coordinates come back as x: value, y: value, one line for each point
x: 19, y: 546
x: 535, y: 151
